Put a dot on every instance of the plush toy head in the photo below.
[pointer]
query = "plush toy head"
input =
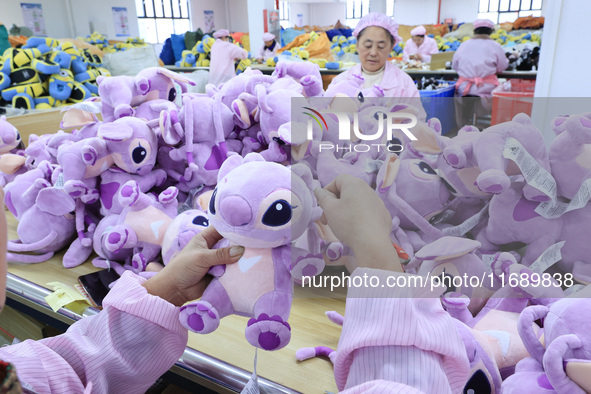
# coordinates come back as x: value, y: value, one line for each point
x: 182, y: 229
x: 133, y: 145
x: 259, y: 211
x: 9, y: 136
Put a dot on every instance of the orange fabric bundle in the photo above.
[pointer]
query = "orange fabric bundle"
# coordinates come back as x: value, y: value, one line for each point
x: 529, y: 22
x: 318, y: 49
x: 17, y: 40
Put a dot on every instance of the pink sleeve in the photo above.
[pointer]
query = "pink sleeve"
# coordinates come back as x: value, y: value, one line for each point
x: 502, y: 61
x: 123, y: 349
x: 238, y: 53
x: 406, y: 52
x: 389, y: 333
x: 430, y: 50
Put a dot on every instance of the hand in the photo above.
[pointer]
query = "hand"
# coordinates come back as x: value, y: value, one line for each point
x: 418, y: 56
x: 358, y: 218
x: 184, y: 278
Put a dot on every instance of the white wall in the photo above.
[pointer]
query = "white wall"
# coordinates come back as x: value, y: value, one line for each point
x: 56, y: 24
x: 100, y: 15
x: 238, y: 11
x: 562, y: 35
x: 325, y: 14
x: 299, y: 8
x: 460, y: 10
x: 69, y: 18
x: 219, y: 13
x: 415, y: 12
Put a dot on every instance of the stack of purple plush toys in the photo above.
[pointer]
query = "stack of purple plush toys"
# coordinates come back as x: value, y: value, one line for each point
x: 163, y: 164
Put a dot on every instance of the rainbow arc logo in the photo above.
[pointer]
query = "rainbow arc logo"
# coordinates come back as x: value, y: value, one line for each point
x: 318, y: 115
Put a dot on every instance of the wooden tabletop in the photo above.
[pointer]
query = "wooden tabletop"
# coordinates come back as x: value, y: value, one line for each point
x: 310, y: 327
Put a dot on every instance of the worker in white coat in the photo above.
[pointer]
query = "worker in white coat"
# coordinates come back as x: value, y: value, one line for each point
x: 269, y: 49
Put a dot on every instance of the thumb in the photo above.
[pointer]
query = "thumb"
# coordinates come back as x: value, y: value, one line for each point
x: 324, y: 197
x: 221, y: 256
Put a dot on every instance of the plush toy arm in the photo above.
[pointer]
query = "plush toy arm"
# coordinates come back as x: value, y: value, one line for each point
x: 312, y: 86
x: 530, y: 340
x: 554, y: 363
x: 305, y: 264
x: 92, y: 150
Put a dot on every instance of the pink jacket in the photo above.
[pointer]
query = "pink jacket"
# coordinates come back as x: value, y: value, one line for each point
x: 265, y: 53
x: 123, y: 349
x: 427, y: 48
x: 221, y: 66
x: 479, y: 58
x: 394, y: 341
x: 395, y: 83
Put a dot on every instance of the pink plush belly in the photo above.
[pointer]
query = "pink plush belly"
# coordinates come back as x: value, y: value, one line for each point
x: 248, y: 279
x: 101, y: 165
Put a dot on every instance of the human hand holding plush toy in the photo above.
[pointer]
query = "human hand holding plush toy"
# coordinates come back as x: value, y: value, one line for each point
x: 360, y: 220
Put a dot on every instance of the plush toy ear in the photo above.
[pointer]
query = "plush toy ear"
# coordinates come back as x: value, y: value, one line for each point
x: 253, y: 156
x: 55, y: 201
x: 100, y: 79
x: 468, y: 129
x: 304, y: 172
x: 391, y: 167
x: 11, y: 163
x: 435, y: 125
x: 427, y: 141
x: 76, y: 118
x: 233, y: 161
x: 522, y: 118
x: 579, y: 371
x: 174, y: 76
x: 531, y: 342
x: 115, y: 131
x: 33, y: 138
x: 447, y: 248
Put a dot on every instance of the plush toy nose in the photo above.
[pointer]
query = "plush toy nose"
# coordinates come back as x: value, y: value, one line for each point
x: 235, y: 211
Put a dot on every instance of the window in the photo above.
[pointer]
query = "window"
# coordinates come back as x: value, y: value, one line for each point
x: 284, y: 14
x: 500, y: 11
x: 355, y: 10
x: 390, y: 7
x: 159, y: 19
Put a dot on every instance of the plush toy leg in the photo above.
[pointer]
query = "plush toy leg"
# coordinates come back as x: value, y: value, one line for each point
x: 312, y: 86
x: 306, y: 353
x: 120, y: 237
x: 77, y: 253
x: 202, y: 316
x: 529, y: 378
x: 456, y: 304
x: 305, y: 264
x: 493, y: 181
x: 274, y: 153
x: 270, y: 330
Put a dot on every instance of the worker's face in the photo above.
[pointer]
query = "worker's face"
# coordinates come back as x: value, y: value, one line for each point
x: 374, y: 47
x: 418, y: 40
x: 268, y: 43
x: 226, y: 38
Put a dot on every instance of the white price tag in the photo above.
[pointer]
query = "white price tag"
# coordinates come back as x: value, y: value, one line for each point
x: 59, y: 183
x: 534, y: 174
x: 252, y: 386
x: 488, y: 260
x: 550, y: 257
x: 554, y: 209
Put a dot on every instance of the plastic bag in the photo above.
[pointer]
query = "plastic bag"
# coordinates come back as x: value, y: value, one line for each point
x: 130, y: 62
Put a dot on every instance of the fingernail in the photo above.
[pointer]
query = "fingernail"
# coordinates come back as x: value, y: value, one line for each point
x: 236, y: 251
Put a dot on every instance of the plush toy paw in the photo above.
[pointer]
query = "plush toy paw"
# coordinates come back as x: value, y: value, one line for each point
x: 90, y: 197
x: 455, y: 157
x: 308, y: 265
x: 200, y: 317
x: 308, y: 80
x: 217, y: 270
x: 493, y: 181
x: 533, y: 194
x: 123, y: 110
x: 75, y: 188
x: 116, y: 239
x: 455, y: 301
x: 250, y: 145
x: 129, y: 194
x: 139, y: 263
x: 334, y: 251
x: 268, y: 333
x: 169, y: 195
x: 89, y: 155
x: 172, y: 133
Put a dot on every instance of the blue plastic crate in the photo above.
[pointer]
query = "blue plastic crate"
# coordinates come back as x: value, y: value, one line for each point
x: 440, y: 104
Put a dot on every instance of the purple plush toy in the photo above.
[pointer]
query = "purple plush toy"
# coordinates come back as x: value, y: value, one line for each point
x: 263, y: 214
x: 122, y: 93
x: 306, y: 73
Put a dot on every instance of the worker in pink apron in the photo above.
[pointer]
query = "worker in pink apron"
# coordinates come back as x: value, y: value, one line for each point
x: 419, y: 46
x: 478, y: 60
x: 223, y: 55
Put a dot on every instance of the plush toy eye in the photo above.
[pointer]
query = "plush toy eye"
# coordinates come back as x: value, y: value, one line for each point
x: 478, y: 383
x: 63, y: 73
x: 172, y: 94
x: 278, y: 214
x: 200, y: 221
x: 279, y: 141
x: 360, y: 97
x: 396, y: 143
x: 426, y: 168
x: 212, y: 202
x: 139, y: 154
x: 18, y: 136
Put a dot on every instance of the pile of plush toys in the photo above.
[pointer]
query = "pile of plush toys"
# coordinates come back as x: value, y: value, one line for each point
x: 341, y: 45
x: 163, y: 164
x: 199, y: 55
x: 100, y: 41
x: 296, y: 53
x: 47, y: 73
